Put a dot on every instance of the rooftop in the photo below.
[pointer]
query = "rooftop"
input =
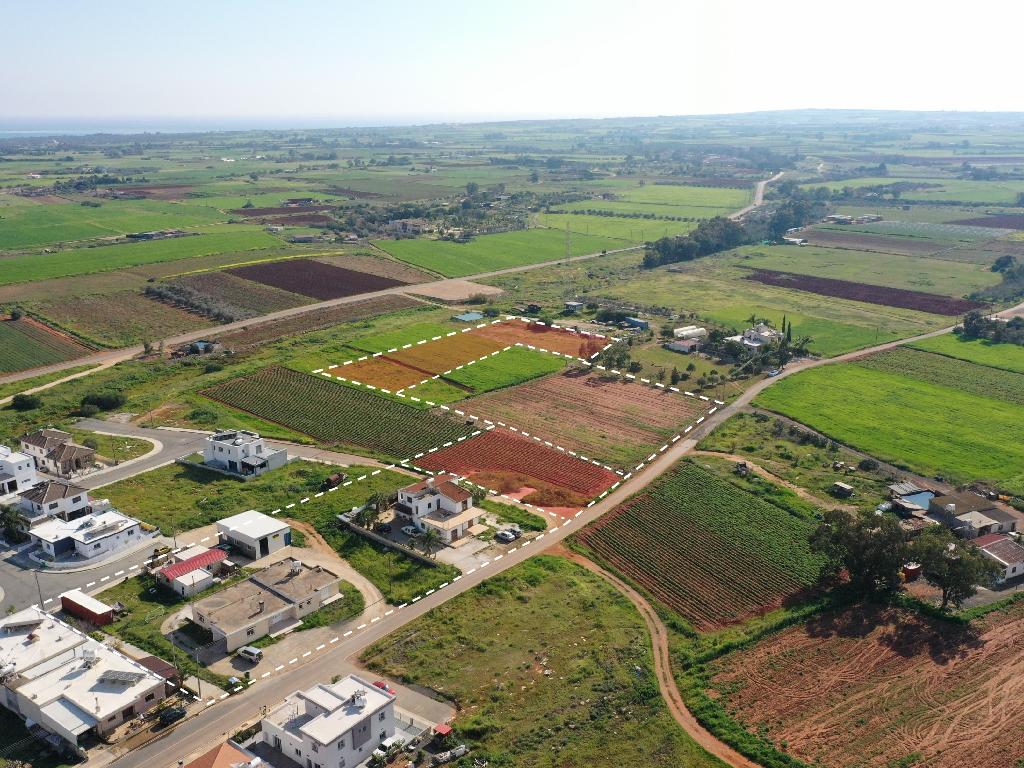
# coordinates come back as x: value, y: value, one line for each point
x: 84, y: 529
x: 12, y: 456
x: 51, y: 490
x: 442, y: 484
x: 292, y: 586
x: 438, y: 518
x: 253, y: 524
x: 327, y: 712
x: 238, y: 606
x: 194, y: 563
x: 1002, y: 548
x: 226, y: 755
x: 70, y: 452
x: 47, y: 439
x: 88, y: 602
x: 235, y: 437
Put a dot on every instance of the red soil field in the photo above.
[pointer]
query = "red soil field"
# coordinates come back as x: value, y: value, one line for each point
x: 313, y: 278
x: 499, y: 451
x: 870, y: 294
x: 380, y: 372
x: 615, y: 419
x: 552, y: 339
x: 1000, y: 221
x: 880, y: 684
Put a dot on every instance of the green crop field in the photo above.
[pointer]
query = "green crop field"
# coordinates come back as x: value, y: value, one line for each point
x: 1008, y: 357
x: 26, y: 345
x: 82, y: 261
x: 996, y: 192
x: 929, y: 428
x: 655, y: 211
x: 492, y: 252
x: 505, y: 369
x: 409, y: 334
x: 634, y: 230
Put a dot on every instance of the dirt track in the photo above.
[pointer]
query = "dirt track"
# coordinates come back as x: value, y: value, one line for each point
x: 663, y: 665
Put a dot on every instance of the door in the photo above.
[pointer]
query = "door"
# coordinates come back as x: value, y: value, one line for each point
x: 264, y: 547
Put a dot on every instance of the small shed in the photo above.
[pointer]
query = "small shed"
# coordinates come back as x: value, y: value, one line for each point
x: 683, y: 346
x: 80, y: 605
x: 636, y: 322
x: 842, y: 490
x: 533, y: 306
x: 572, y: 307
x: 170, y: 674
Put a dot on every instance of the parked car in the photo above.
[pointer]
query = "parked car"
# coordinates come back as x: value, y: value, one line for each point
x: 171, y: 715
x: 382, y: 528
x: 382, y: 684
x: 505, y: 537
x: 411, y: 531
x: 247, y: 652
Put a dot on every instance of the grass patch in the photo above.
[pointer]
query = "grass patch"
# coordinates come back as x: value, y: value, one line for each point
x: 113, y: 447
x: 513, y: 366
x: 1007, y: 357
x: 509, y: 513
x: 14, y: 387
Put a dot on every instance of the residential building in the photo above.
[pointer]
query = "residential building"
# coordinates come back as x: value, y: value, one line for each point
x: 67, y: 683
x: 53, y: 499
x: 254, y: 534
x: 683, y: 346
x: 331, y: 726
x: 242, y: 453
x: 441, y: 504
x: 88, y: 537
x: 226, y: 755
x: 1007, y: 553
x: 17, y: 472
x: 55, y: 453
x: 269, y: 602
x: 969, y: 515
x: 400, y: 227
x: 760, y: 335
x: 690, y: 332
x: 194, y: 572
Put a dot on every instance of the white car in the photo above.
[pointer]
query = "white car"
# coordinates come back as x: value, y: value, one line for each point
x: 411, y: 531
x: 505, y: 537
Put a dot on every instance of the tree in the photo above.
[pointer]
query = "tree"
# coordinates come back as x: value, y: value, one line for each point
x: 871, y: 548
x: 534, y: 177
x: 955, y: 567
x: 23, y: 402
x: 472, y: 188
x: 430, y: 540
x: 10, y: 524
x: 675, y: 376
x: 17, y: 313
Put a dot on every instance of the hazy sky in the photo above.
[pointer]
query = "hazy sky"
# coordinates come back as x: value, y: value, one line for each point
x: 391, y: 61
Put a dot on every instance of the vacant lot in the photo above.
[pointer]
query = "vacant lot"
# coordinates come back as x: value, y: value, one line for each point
x: 334, y: 413
x: 491, y: 252
x: 27, y: 343
x: 862, y: 241
x: 614, y: 419
x: 314, y: 278
x: 706, y: 548
x: 118, y: 319
x: 871, y: 294
x: 905, y: 421
x: 874, y: 686
x: 632, y: 230
x: 1008, y: 357
x: 545, y: 642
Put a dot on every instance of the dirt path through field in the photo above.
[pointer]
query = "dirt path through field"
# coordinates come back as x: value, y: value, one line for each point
x: 318, y: 547
x: 662, y: 664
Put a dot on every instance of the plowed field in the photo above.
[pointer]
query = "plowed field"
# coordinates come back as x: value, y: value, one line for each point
x: 535, y: 334
x: 26, y: 344
x: 618, y: 421
x: 313, y: 278
x: 498, y: 451
x: 869, y: 686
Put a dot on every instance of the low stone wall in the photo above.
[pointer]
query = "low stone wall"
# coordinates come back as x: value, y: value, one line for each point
x: 387, y: 542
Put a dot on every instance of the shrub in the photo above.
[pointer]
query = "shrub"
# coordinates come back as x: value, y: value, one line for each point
x: 213, y: 368
x: 104, y: 401
x: 23, y: 402
x: 88, y: 410
x: 868, y: 465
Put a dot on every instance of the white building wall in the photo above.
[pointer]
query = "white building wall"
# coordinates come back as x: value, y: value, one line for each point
x: 104, y: 544
x: 341, y: 752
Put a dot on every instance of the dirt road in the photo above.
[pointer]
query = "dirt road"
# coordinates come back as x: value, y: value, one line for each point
x: 663, y: 665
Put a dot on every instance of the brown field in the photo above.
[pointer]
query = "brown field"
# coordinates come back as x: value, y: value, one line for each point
x: 375, y: 265
x: 158, y: 191
x: 603, y: 417
x: 868, y: 687
x: 406, y: 367
x: 313, y: 278
x: 221, y: 286
x: 457, y: 291
x: 264, y: 333
x: 542, y: 336
x: 998, y: 221
x: 858, y: 241
x: 380, y: 372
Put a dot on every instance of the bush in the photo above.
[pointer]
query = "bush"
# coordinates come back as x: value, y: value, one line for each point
x: 213, y: 368
x: 90, y: 442
x: 104, y: 401
x: 17, y: 313
x: 88, y: 410
x: 23, y: 402
x: 868, y: 465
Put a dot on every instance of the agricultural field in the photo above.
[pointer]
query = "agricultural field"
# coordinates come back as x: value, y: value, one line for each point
x: 492, y: 252
x: 929, y: 428
x: 509, y: 463
x: 863, y: 243
x: 27, y: 344
x: 314, y: 279
x: 707, y: 549
x: 544, y: 337
x: 902, y: 298
x: 336, y: 414
x: 1007, y: 357
x: 939, y: 189
x: 882, y: 686
x: 634, y: 230
x: 106, y: 258
x: 490, y: 649
x: 247, y: 297
x: 117, y: 319
x: 999, y: 221
x: 666, y: 200
x: 506, y: 369
x: 378, y: 265
x: 950, y: 234
x: 618, y: 420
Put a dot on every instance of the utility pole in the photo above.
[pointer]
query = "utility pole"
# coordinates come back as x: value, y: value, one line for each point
x: 38, y: 589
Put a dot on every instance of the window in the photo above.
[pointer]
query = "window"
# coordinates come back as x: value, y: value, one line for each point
x: 381, y: 716
x: 298, y: 752
x: 52, y: 506
x: 76, y: 499
x: 383, y: 735
x: 341, y: 745
x: 249, y: 633
x: 97, y: 546
x: 150, y: 697
x: 341, y: 763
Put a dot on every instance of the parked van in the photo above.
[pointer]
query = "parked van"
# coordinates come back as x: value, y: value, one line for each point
x: 247, y: 652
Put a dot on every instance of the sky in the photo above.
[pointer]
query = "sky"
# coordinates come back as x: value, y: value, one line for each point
x: 339, y: 62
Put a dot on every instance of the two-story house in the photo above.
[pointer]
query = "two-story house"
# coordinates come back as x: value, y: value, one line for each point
x: 54, y: 452
x: 17, y: 472
x: 242, y: 453
x: 53, y: 499
x: 441, y: 504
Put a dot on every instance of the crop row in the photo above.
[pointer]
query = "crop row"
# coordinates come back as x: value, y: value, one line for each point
x: 26, y: 344
x: 336, y: 413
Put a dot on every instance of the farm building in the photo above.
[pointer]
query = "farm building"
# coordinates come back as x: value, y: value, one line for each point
x: 690, y: 332
x: 439, y: 503
x: 759, y: 336
x: 193, y: 572
x: 636, y: 322
x: 969, y: 515
x: 842, y: 490
x: 683, y: 346
x: 86, y: 538
x: 82, y: 606
x: 17, y: 472
x: 242, y: 453
x: 269, y: 602
x: 572, y: 307
x: 254, y: 534
x: 1006, y: 552
x: 55, y: 453
x: 342, y: 723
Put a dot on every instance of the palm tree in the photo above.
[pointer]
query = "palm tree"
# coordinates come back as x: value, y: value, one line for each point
x: 379, y: 501
x: 10, y: 524
x: 430, y: 540
x: 367, y: 516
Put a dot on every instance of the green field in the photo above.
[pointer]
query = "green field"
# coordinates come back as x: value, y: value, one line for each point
x: 928, y: 428
x: 653, y: 210
x: 513, y: 366
x: 488, y: 649
x: 25, y: 345
x: 995, y: 192
x: 621, y: 227
x: 492, y: 252
x: 82, y: 261
x: 1008, y: 357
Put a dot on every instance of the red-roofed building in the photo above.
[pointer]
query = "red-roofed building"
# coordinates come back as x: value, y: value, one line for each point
x: 1005, y: 551
x: 439, y: 503
x: 193, y: 574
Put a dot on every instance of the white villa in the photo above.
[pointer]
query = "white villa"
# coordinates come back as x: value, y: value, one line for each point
x: 759, y: 336
x: 89, y: 537
x: 17, y: 472
x: 439, y: 503
x: 53, y: 499
x: 242, y: 453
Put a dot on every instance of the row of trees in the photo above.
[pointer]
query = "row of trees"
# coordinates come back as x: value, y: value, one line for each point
x: 978, y: 326
x: 872, y: 549
x: 710, y: 236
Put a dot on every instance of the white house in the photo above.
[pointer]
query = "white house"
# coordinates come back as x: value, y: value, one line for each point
x: 17, y: 472
x: 759, y: 336
x: 1007, y: 553
x: 439, y: 503
x: 241, y: 452
x: 254, y: 534
x: 87, y: 537
x: 53, y: 451
x: 53, y: 499
x: 331, y: 725
x: 69, y: 684
x: 690, y: 332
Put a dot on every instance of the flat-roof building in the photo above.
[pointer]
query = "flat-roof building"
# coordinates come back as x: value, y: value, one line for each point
x: 17, y: 472
x: 254, y: 534
x: 87, y: 537
x: 242, y: 453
